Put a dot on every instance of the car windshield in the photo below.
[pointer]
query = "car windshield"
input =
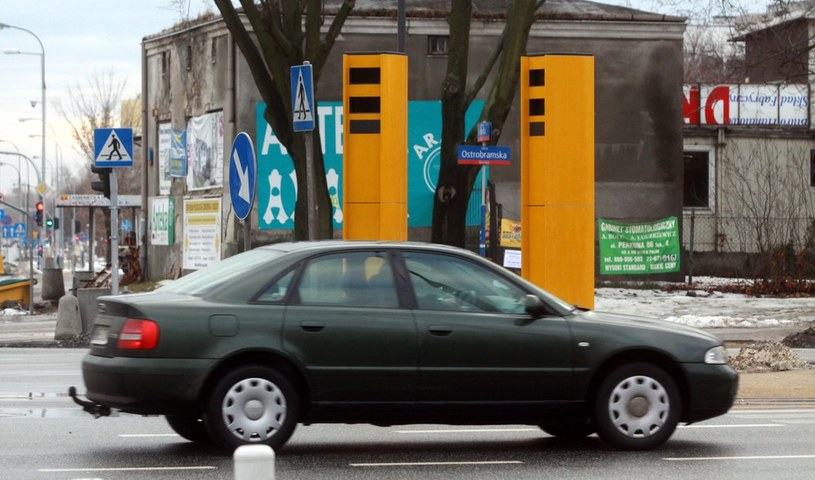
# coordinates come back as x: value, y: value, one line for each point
x: 206, y: 279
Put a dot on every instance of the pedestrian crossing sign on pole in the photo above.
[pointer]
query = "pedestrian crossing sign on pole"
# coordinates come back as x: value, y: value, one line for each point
x: 113, y: 147
x: 302, y: 98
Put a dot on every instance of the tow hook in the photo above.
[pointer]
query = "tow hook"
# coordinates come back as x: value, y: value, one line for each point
x: 90, y: 407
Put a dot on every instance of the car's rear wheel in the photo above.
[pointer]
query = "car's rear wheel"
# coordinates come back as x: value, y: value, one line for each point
x: 252, y: 405
x: 190, y: 427
x: 637, y: 407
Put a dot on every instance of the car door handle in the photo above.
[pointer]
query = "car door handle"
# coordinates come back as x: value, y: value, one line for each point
x: 312, y: 326
x: 440, y: 330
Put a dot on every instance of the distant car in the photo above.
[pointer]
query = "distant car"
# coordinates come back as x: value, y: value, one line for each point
x: 392, y: 333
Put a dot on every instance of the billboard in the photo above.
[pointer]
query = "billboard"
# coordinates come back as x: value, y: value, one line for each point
x: 277, y: 181
x: 746, y: 104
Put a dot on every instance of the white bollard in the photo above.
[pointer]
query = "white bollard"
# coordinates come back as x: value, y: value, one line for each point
x: 254, y: 462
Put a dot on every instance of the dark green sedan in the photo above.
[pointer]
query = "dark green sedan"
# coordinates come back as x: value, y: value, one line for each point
x: 392, y: 333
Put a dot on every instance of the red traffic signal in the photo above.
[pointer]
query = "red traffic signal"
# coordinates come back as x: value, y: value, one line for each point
x: 38, y: 214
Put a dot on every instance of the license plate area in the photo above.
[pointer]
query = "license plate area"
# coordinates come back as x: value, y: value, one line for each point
x: 100, y: 335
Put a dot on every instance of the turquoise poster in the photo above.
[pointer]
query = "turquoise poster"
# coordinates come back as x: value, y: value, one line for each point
x: 277, y: 185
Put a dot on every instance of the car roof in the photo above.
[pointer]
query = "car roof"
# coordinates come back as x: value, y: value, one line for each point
x: 327, y: 245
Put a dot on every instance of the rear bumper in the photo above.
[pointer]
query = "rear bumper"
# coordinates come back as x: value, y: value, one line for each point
x: 146, y: 386
x: 712, y: 391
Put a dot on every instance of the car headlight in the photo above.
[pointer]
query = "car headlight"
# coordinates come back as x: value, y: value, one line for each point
x: 716, y: 355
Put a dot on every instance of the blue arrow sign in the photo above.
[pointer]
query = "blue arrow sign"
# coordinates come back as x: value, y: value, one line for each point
x: 242, y: 174
x: 19, y: 230
x: 113, y: 147
x: 302, y: 98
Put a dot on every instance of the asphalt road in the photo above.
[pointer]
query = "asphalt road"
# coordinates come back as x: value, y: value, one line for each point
x: 46, y: 437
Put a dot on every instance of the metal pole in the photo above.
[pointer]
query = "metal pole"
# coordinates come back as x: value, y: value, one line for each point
x: 691, y: 246
x: 312, y: 214
x: 114, y: 233
x: 400, y: 26
x: 42, y: 101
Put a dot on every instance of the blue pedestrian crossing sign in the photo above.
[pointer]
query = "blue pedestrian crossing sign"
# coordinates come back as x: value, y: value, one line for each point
x: 242, y: 175
x: 302, y: 98
x: 113, y: 147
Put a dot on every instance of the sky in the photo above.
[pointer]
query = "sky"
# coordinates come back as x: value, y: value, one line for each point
x: 84, y: 39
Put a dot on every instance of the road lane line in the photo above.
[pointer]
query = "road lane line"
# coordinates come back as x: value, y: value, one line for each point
x: 142, y: 435
x: 433, y: 464
x: 754, y: 457
x: 472, y: 430
x: 126, y: 469
x: 745, y: 425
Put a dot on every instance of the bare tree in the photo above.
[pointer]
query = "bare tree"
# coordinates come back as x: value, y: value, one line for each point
x: 455, y: 183
x: 767, y: 205
x: 98, y: 103
x: 94, y: 104
x: 288, y: 33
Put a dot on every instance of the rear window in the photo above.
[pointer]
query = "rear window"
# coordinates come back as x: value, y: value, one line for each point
x: 208, y: 279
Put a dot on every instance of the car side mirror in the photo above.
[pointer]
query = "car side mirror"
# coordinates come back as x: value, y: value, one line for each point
x: 534, y: 306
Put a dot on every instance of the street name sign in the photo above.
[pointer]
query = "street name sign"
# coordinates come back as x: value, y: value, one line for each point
x: 478, y: 155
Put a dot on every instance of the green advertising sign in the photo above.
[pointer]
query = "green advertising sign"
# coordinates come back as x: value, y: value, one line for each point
x: 639, y: 249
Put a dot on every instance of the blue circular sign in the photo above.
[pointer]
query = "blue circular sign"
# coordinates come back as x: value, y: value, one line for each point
x: 242, y: 175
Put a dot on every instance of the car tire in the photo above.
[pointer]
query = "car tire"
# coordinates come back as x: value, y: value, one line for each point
x: 252, y: 405
x: 637, y: 407
x: 569, y: 431
x: 190, y: 428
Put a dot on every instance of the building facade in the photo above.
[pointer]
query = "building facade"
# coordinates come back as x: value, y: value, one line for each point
x: 198, y: 93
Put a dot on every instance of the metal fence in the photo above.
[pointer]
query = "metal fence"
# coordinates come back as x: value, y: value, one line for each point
x: 710, y: 233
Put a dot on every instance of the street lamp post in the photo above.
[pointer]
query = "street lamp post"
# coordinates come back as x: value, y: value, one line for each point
x: 42, y: 100
x: 31, y: 243
x: 56, y: 178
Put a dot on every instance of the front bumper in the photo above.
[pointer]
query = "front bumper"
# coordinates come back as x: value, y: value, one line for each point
x: 712, y: 391
x: 148, y: 386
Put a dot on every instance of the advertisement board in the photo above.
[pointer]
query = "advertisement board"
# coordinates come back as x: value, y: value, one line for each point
x: 638, y: 249
x: 746, y: 104
x: 277, y: 181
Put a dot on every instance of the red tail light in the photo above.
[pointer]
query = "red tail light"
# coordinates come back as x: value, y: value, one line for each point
x: 138, y: 334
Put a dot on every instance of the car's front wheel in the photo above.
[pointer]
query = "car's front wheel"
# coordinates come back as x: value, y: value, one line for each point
x: 637, y: 407
x: 252, y: 404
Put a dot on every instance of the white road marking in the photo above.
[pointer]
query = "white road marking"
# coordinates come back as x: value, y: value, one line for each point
x: 126, y: 469
x: 433, y: 464
x: 472, y: 430
x: 746, y: 425
x: 755, y: 457
x: 142, y: 435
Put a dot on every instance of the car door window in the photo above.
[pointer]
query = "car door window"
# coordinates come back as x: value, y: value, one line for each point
x: 445, y: 282
x: 359, y: 279
x: 276, y: 292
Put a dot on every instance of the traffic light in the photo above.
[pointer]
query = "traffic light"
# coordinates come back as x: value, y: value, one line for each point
x: 38, y: 213
x: 49, y: 222
x: 103, y: 185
